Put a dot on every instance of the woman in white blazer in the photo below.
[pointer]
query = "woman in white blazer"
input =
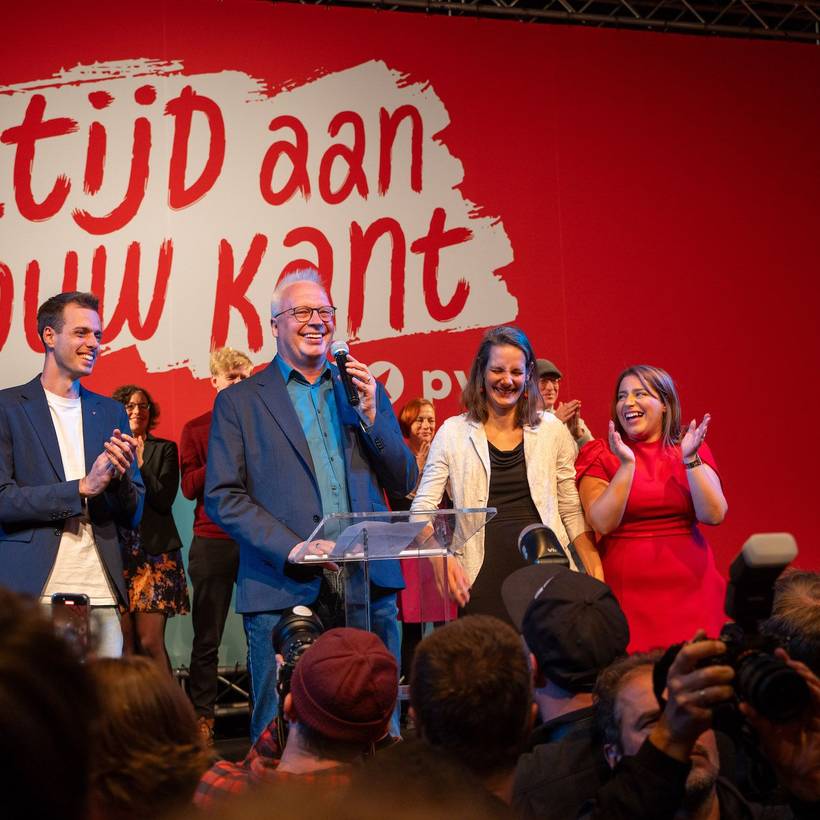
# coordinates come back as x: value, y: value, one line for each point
x: 504, y: 452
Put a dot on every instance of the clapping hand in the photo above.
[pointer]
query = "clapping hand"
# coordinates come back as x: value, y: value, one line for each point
x: 140, y: 440
x: 115, y: 459
x: 421, y: 455
x: 121, y: 449
x: 565, y: 410
x: 570, y: 413
x: 617, y: 446
x: 693, y: 437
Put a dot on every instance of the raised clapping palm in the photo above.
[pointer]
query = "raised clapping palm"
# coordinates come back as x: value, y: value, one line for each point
x: 565, y: 410
x: 693, y: 437
x: 421, y: 454
x: 617, y: 446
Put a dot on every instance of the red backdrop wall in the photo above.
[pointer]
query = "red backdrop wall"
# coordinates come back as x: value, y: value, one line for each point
x: 622, y: 196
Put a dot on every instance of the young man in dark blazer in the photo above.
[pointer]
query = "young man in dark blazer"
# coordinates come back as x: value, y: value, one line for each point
x: 68, y: 475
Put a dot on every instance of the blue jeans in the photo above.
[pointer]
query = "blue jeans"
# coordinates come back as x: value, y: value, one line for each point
x: 262, y: 662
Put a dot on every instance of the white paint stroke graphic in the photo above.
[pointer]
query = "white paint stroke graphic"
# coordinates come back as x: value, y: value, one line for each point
x: 234, y: 209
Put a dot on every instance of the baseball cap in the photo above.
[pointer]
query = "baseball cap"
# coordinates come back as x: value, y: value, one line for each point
x: 546, y: 368
x: 572, y: 622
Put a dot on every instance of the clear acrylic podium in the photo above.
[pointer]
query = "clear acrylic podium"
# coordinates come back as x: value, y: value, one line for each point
x: 354, y: 540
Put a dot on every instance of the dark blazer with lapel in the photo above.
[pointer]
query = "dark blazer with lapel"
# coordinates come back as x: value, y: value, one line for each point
x: 160, y: 472
x: 260, y: 485
x: 35, y: 498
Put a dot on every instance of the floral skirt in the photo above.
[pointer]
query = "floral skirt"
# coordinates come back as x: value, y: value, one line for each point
x: 156, y: 583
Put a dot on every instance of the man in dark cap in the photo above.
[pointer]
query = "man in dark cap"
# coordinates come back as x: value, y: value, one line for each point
x: 549, y: 380
x: 342, y: 695
x: 574, y: 628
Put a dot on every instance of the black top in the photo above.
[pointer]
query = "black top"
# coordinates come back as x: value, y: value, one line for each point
x: 160, y: 472
x: 510, y: 495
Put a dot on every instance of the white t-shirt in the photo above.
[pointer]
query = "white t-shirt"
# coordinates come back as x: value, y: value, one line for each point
x: 78, y: 567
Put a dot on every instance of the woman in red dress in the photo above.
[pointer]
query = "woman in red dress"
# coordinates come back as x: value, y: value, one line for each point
x: 645, y: 495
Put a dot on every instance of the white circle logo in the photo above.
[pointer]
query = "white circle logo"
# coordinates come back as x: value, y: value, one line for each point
x: 391, y: 377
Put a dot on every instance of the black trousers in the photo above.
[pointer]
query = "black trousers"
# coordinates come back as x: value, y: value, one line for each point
x: 212, y: 565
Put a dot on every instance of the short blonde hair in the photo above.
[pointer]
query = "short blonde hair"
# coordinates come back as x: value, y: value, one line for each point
x: 224, y: 359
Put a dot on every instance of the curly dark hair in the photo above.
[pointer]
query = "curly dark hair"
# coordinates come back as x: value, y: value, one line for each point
x: 123, y: 394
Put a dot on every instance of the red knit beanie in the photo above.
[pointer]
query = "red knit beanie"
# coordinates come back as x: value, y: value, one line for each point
x: 345, y: 686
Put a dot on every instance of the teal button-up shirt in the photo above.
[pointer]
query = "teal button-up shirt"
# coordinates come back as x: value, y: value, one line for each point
x: 316, y: 410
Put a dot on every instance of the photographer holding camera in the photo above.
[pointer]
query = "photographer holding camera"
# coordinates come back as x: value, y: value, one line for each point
x: 657, y: 711
x: 665, y: 760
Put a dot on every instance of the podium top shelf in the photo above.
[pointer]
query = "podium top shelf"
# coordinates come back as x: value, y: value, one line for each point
x: 342, y: 537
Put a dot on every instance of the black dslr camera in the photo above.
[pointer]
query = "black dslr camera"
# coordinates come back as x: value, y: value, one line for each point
x: 296, y: 630
x: 762, y: 680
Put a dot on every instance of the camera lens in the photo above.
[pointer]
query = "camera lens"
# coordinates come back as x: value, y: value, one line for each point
x: 775, y: 690
x: 295, y: 631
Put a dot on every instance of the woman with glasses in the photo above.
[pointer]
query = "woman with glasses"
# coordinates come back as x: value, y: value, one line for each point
x: 152, y: 559
x: 645, y: 492
x: 504, y: 452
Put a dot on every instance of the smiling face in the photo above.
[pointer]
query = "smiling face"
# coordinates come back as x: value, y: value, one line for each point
x: 640, y: 411
x: 423, y: 428
x: 548, y: 386
x: 138, y: 409
x: 505, y: 378
x: 76, y: 345
x: 638, y: 712
x: 303, y: 345
x: 225, y: 378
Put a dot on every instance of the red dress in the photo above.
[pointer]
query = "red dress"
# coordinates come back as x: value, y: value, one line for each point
x: 658, y: 562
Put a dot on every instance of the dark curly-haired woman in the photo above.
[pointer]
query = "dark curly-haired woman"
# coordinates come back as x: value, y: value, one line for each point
x: 152, y: 559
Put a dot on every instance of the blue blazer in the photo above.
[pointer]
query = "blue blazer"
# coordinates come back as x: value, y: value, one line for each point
x: 35, y: 498
x: 260, y: 485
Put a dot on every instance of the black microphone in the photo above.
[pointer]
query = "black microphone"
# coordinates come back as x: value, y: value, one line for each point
x: 339, y: 350
x: 538, y: 544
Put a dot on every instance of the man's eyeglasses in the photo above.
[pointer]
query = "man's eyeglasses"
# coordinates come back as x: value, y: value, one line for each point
x: 302, y: 313
x: 556, y: 380
x: 131, y: 406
